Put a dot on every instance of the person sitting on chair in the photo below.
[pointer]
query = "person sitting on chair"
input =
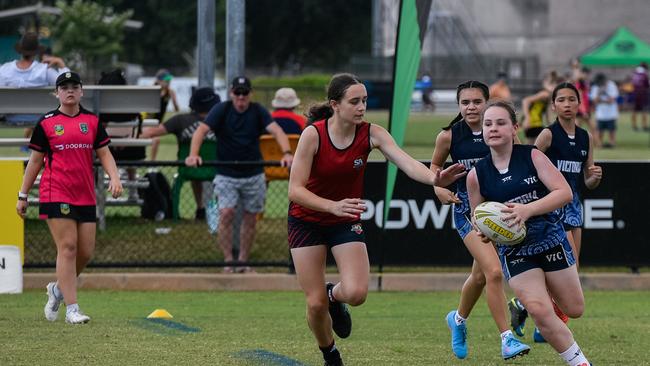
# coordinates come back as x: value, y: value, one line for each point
x: 183, y: 126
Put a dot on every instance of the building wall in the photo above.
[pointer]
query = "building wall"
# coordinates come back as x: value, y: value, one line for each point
x: 554, y: 30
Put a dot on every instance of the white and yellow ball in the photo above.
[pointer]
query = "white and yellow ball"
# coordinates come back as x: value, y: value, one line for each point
x: 488, y: 219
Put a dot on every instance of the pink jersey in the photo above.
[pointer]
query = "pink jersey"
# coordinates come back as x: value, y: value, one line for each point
x: 335, y: 173
x: 68, y: 143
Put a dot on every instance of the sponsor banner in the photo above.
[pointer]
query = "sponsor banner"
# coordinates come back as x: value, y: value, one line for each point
x: 420, y: 231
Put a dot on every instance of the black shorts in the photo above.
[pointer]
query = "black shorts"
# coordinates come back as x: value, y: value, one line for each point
x: 554, y: 259
x: 533, y: 132
x: 60, y: 210
x: 306, y: 234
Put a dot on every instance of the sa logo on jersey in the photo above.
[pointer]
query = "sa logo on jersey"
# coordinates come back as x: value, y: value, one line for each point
x: 357, y: 163
x: 58, y: 130
x: 83, y: 127
x: 357, y: 228
x: 65, y: 208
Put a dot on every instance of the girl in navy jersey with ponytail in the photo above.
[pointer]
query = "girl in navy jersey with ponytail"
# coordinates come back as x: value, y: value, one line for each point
x: 326, y: 191
x: 541, y: 268
x: 64, y: 141
x: 463, y: 140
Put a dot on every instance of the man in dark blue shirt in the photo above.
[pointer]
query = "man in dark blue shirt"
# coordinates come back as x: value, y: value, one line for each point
x: 238, y: 125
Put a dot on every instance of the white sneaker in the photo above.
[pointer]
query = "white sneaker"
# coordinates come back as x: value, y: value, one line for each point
x: 51, y: 309
x: 76, y: 317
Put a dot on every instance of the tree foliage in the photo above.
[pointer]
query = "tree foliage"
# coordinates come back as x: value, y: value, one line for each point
x: 87, y: 34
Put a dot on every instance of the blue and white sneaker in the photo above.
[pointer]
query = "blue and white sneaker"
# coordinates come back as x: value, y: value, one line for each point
x: 511, y: 347
x: 51, y: 309
x: 458, y: 336
x: 538, y: 337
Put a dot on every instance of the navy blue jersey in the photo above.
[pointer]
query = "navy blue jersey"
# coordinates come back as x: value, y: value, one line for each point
x: 466, y: 148
x: 569, y: 154
x: 521, y: 184
x: 238, y: 136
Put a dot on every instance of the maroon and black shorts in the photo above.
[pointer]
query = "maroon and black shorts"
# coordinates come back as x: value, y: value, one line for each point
x: 62, y: 210
x: 306, y: 234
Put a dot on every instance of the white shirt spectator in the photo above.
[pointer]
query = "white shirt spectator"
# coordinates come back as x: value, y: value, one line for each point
x: 38, y: 74
x: 605, y: 97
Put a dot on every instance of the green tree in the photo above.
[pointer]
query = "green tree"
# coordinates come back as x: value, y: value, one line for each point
x: 87, y: 35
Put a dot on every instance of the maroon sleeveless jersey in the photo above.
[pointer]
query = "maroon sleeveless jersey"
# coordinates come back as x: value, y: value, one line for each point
x: 335, y: 173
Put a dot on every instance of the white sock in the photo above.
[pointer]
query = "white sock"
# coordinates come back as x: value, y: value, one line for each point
x: 459, y: 319
x: 574, y: 356
x: 505, y: 335
x: 71, y: 308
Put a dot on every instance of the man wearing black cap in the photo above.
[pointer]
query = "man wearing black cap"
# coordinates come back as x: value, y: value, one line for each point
x: 183, y: 126
x: 238, y: 125
x: 29, y: 73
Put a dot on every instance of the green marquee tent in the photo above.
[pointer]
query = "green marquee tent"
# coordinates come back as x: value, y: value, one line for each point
x: 623, y: 48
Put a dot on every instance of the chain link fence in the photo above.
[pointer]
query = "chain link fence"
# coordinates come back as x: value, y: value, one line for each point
x: 155, y: 222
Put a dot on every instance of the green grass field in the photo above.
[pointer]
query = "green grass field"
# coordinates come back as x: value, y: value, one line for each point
x: 269, y: 328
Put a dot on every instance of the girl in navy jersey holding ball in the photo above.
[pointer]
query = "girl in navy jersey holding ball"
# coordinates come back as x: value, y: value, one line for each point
x: 326, y: 191
x: 64, y: 141
x: 463, y: 140
x: 533, y: 190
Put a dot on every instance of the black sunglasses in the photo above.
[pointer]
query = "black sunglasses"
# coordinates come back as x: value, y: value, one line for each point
x: 241, y: 92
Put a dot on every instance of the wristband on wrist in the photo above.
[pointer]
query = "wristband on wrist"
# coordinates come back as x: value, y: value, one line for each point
x: 22, y: 196
x: 287, y: 152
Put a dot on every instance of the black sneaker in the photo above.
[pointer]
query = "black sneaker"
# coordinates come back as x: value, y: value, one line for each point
x: 518, y: 316
x: 338, y: 362
x: 341, y: 320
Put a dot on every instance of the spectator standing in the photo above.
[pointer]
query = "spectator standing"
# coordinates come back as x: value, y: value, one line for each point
x: 641, y: 87
x: 238, y: 125
x: 30, y: 73
x: 167, y: 94
x: 604, y: 94
x: 183, y: 127
x: 64, y: 141
x: 285, y: 102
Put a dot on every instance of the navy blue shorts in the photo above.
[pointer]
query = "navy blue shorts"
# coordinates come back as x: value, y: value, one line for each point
x: 607, y: 125
x: 557, y: 258
x: 61, y: 210
x: 306, y: 234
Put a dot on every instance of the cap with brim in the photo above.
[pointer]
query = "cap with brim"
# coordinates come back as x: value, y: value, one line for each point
x: 241, y: 83
x: 68, y: 77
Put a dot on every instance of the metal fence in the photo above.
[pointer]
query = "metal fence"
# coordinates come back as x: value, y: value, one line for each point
x: 134, y: 237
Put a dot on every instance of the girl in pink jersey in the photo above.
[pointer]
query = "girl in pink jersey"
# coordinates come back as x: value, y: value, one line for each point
x: 326, y: 190
x: 64, y: 141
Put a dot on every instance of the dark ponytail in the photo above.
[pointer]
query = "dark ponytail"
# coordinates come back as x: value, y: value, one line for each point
x: 336, y: 89
x: 470, y: 84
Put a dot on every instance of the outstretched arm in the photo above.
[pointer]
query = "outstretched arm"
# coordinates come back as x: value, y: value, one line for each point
x: 381, y: 139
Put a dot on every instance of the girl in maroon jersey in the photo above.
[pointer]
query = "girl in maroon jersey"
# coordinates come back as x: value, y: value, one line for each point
x: 63, y: 142
x: 326, y: 190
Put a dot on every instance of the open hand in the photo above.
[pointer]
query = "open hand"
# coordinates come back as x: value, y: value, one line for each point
x: 515, y: 214
x: 449, y: 175
x: 348, y: 207
x: 446, y: 196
